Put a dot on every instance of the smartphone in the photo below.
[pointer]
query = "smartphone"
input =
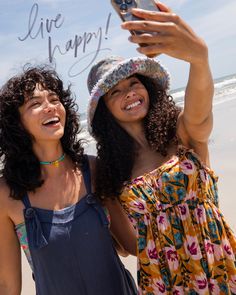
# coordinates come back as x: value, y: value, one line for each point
x: 123, y: 9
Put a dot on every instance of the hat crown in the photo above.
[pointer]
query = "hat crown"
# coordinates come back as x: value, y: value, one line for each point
x: 100, y: 69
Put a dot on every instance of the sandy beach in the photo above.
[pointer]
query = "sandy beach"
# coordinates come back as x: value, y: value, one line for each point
x: 223, y: 159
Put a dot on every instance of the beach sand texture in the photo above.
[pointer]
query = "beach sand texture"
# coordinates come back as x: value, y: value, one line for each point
x: 223, y: 161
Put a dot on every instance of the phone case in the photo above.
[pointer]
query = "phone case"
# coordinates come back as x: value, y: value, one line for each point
x: 123, y: 7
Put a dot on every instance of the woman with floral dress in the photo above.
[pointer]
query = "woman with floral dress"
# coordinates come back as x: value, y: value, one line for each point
x: 153, y: 156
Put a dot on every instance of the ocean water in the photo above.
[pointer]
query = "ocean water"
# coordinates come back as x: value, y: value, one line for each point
x: 225, y: 90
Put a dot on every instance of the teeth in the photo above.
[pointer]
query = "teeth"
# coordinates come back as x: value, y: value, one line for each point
x: 132, y: 105
x: 54, y: 119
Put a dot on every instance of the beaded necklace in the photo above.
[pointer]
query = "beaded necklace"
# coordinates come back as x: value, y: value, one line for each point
x: 55, y: 163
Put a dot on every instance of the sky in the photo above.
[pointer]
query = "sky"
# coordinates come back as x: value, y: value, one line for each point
x: 73, y: 35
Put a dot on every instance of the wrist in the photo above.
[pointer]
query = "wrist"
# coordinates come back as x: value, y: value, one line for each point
x: 201, y: 59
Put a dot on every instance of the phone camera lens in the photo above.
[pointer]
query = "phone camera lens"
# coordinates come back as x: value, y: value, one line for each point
x: 123, y: 7
x: 118, y: 1
x: 128, y: 2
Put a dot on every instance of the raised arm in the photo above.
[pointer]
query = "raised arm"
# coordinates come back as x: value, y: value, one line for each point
x: 196, y: 121
x: 10, y: 256
x: 175, y: 38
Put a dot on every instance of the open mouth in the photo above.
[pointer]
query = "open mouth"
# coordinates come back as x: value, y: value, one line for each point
x: 51, y: 121
x: 133, y: 105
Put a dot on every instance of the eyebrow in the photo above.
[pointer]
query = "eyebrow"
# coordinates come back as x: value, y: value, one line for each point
x: 38, y: 96
x: 30, y: 98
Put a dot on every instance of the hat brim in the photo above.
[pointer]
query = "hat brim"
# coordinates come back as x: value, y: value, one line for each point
x: 139, y: 65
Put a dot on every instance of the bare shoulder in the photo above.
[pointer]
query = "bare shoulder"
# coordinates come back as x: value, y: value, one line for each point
x: 5, y: 201
x: 10, y: 267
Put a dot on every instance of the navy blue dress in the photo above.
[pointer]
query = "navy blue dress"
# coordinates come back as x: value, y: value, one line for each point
x: 72, y: 250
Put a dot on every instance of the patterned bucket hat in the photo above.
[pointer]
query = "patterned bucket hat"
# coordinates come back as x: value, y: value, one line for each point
x: 108, y: 72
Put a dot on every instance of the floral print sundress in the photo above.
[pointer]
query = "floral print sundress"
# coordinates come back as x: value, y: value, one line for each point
x: 184, y: 245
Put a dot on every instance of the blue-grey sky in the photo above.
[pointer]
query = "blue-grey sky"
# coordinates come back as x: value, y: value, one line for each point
x: 75, y: 34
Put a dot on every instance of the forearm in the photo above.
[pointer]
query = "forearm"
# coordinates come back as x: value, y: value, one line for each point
x: 199, y: 92
x: 9, y: 290
x: 121, y: 228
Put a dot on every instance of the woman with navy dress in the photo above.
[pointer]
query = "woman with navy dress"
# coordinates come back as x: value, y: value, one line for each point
x: 47, y: 202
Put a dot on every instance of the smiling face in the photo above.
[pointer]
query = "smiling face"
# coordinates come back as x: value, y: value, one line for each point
x: 128, y: 101
x: 43, y: 115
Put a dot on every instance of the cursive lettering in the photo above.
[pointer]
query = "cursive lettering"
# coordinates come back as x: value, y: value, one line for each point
x: 47, y: 25
x: 74, y: 71
x: 74, y: 44
x: 43, y: 28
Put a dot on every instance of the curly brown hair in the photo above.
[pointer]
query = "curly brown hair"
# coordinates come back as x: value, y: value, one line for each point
x: 116, y: 148
x: 21, y: 167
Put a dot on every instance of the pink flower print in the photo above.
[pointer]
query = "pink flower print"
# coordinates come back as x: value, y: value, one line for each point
x: 184, y: 212
x: 139, y: 207
x: 227, y: 249
x: 232, y: 284
x: 209, y: 248
x: 24, y: 247
x: 133, y: 221
x: 146, y: 219
x: 152, y: 252
x: 162, y: 222
x: 191, y: 195
x: 201, y: 284
x: 172, y: 257
x: 203, y: 175
x: 140, y: 291
x: 159, y: 206
x: 192, y: 247
x: 170, y: 161
x: 178, y: 290
x: 213, y: 287
x: 200, y: 214
x: 218, y: 252
x: 19, y: 234
x: 138, y: 265
x: 187, y: 167
x: 159, y: 183
x: 217, y: 213
x: 159, y: 286
x: 183, y: 209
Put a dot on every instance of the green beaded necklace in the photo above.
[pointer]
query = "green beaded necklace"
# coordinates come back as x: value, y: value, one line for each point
x: 55, y: 163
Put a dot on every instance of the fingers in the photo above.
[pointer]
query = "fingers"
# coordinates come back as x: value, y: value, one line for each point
x: 152, y: 50
x: 150, y: 39
x: 162, y: 7
x: 150, y: 26
x: 155, y: 15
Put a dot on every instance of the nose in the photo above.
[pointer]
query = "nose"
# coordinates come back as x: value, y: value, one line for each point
x: 130, y: 93
x: 48, y: 107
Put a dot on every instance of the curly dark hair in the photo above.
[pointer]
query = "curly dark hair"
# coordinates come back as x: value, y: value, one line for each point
x: 21, y: 167
x: 116, y: 149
